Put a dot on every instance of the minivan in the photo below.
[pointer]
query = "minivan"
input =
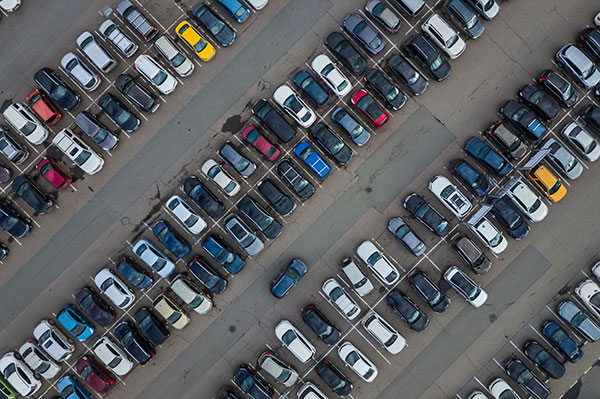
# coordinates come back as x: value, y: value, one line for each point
x: 95, y: 52
x: 96, y: 130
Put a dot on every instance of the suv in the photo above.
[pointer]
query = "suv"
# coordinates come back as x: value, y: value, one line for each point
x: 96, y: 131
x: 56, y: 88
x: 77, y: 151
x: 438, y: 30
x: 504, y: 212
x: 23, y: 121
x: 465, y: 286
x: 11, y: 149
x: 136, y: 19
x: 119, y: 113
x: 431, y: 59
x: 528, y: 202
x: 96, y: 53
x: 559, y: 87
x: 118, y: 38
x: 526, y: 379
x: 137, y: 93
x: 273, y: 119
x: 470, y: 253
x: 507, y: 140
x: 461, y: 14
x: 175, y: 57
x: 523, y: 119
x: 426, y: 214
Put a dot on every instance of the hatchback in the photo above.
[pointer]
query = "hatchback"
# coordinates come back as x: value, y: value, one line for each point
x: 94, y: 375
x: 53, y: 340
x: 192, y: 296
x: 70, y: 388
x: 114, y: 288
x: 430, y: 58
x: 383, y: 333
x: 137, y: 93
x: 75, y: 323
x: 251, y: 135
x: 150, y: 326
x: 37, y: 361
x: 488, y: 9
x: 376, y: 261
x: 291, y: 103
x: 12, y: 222
x: 489, y: 235
x: 155, y: 74
x: 559, y: 87
x: 210, y: 279
x: 350, y: 126
x: 283, y: 204
x: 547, y: 183
x: 56, y: 88
x: 214, y: 24
x: 170, y: 311
x: 95, y: 52
x: 584, y: 325
x: 53, y: 174
x: 383, y: 14
x: 266, y: 223
x: 370, y: 108
x: 359, y: 282
x: 404, y: 233
x: 357, y: 361
x: 20, y: 377
x: 340, y: 299
x: 446, y: 38
x: 43, y: 106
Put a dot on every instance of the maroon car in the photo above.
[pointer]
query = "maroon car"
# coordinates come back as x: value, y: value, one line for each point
x: 53, y: 174
x: 94, y: 375
x: 258, y: 141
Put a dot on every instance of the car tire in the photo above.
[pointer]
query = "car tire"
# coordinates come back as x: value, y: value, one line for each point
x: 37, y: 376
x: 51, y: 322
x: 18, y: 356
x: 70, y: 340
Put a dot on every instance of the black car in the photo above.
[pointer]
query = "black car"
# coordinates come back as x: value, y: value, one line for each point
x: 430, y: 292
x: 409, y: 76
x: 280, y: 201
x: 591, y: 116
x: 523, y: 119
x: 55, y: 87
x: 529, y: 381
x: 313, y: 317
x: 311, y: 88
x: 461, y: 14
x: 217, y: 27
x: 559, y: 87
x: 392, y: 95
x: 467, y: 174
x: 92, y: 127
x: 331, y: 143
x: 252, y: 384
x: 32, y: 194
x: 137, y: 93
x: 508, y: 216
x: 152, y: 328
x: 493, y: 161
x: 11, y: 222
x: 270, y: 227
x: 274, y: 120
x: 539, y: 102
x: 333, y: 378
x: 210, y: 279
x: 346, y: 53
x: 234, y: 157
x: 227, y: 393
x: 203, y: 197
x: 119, y: 113
x: 431, y: 218
x: 590, y: 40
x: 540, y: 356
x: 431, y: 59
x: 407, y: 310
x: 95, y: 307
x: 134, y: 344
x: 295, y: 179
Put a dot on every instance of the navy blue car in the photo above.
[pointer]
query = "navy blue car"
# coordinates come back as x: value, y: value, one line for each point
x: 314, y: 90
x: 214, y: 24
x: 237, y: 10
x: 523, y: 119
x: 203, y: 197
x: 288, y: 279
x: 477, y: 182
x: 228, y: 259
x: 172, y: 240
x: 152, y: 328
x: 132, y: 273
x: 508, y: 216
x: 488, y: 157
x: 561, y: 340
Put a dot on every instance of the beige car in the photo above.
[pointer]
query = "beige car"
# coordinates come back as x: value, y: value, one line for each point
x: 170, y: 311
x: 193, y: 297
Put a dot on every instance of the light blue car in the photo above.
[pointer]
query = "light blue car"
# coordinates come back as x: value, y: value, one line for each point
x: 236, y: 9
x: 75, y: 323
x: 70, y: 388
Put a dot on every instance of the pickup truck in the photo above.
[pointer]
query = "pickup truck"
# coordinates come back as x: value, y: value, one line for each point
x: 80, y: 153
x: 136, y: 19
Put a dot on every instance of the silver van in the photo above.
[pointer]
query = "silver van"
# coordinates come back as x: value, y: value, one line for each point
x: 471, y: 254
x: 95, y: 52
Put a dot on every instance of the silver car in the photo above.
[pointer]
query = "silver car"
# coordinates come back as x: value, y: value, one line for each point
x: 582, y: 141
x: 404, y: 233
x: 242, y: 234
x: 384, y: 15
x: 277, y: 369
x: 562, y: 159
x: 118, y: 38
x: 578, y: 65
x: 37, y: 360
x: 11, y: 149
x: 95, y: 52
x: 175, y: 57
x: 80, y: 72
x: 488, y: 9
x: 155, y: 74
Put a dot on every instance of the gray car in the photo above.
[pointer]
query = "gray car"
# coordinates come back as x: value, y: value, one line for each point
x: 562, y: 158
x: 118, y: 38
x: 242, y: 234
x: 80, y: 72
x: 488, y: 9
x: 462, y: 15
x: 356, y: 26
x: 578, y: 65
x: 95, y: 52
x: 97, y: 131
x: 242, y: 165
x: 355, y: 130
x: 383, y: 14
x: 404, y: 233
x: 136, y: 19
x: 411, y: 7
x: 11, y: 149
x: 579, y: 320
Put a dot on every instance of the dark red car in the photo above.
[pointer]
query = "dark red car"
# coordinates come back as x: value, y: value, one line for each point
x: 370, y: 108
x: 53, y: 174
x: 258, y: 141
x: 94, y: 375
x: 44, y: 107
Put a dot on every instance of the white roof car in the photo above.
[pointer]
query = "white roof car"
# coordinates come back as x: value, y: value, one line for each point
x: 357, y: 361
x: 80, y: 72
x: 466, y: 287
x: 95, y: 52
x: 477, y: 395
x: 294, y: 341
x: 37, y: 361
x: 583, y: 142
x: 450, y: 196
x: 293, y: 105
x: 487, y: 8
x: 183, y: 212
x: 257, y: 4
x: 340, y: 299
x: 118, y: 38
x: 489, y: 235
x: 596, y: 270
x: 501, y: 390
x: 192, y: 296
x: 176, y: 58
x: 216, y: 173
x: 19, y: 375
x: 112, y: 356
x: 528, y: 202
x: 378, y: 263
x: 10, y: 5
x: 359, y: 282
x: 53, y: 341
x: 114, y: 288
x: 446, y: 38
x: 155, y: 74
x: 383, y: 333
x: 589, y: 292
x: 23, y: 121
x: 78, y: 152
x: 310, y: 391
x: 152, y: 257
x: 277, y: 369
x: 331, y: 74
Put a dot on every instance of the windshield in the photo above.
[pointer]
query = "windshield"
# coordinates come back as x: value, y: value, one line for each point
x: 100, y: 136
x: 588, y: 72
x: 569, y: 92
x: 292, y: 103
x: 28, y: 128
x: 82, y: 157
x: 554, y: 188
x: 159, y: 78
x: 306, y: 153
x: 191, y: 221
x: 471, y: 22
x: 496, y: 240
x: 211, y: 282
x: 177, y: 60
x: 436, y: 63
x: 217, y: 27
x: 200, y: 45
x: 535, y: 206
x: 517, y: 116
x: 452, y: 41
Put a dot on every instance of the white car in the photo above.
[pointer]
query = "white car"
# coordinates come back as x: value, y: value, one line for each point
x: 596, y: 270
x: 489, y: 235
x: 331, y: 74
x: 37, y: 360
x: 277, y: 369
x: 183, y: 212
x: 583, y: 142
x: 487, y: 8
x: 257, y: 4
x: 216, y: 173
x: 114, y: 288
x: 175, y: 57
x: 23, y: 121
x: 10, y: 5
x: 597, y: 20
x: 383, y: 333
x: 466, y: 287
x: 340, y: 299
x: 293, y: 105
x: 528, y: 202
x: 77, y: 151
x: 192, y: 296
x: 19, y: 375
x: 53, y: 341
x: 446, y: 38
x: 500, y: 389
x: 357, y: 361
x: 589, y: 293
x: 80, y: 72
x: 450, y: 196
x: 155, y: 74
x: 477, y: 395
x: 112, y: 356
x: 294, y: 341
x: 152, y: 257
x: 378, y: 263
x: 310, y: 391
x: 359, y: 282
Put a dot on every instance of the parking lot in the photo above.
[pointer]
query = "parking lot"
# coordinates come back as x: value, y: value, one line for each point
x: 99, y: 218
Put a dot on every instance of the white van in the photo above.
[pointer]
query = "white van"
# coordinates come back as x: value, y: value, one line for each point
x: 22, y: 120
x: 80, y: 153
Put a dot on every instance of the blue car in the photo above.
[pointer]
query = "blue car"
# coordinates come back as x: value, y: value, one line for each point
x: 70, y: 388
x: 170, y: 238
x: 75, y: 323
x: 477, y: 182
x: 355, y: 130
x: 236, y: 9
x: 561, y: 340
x: 134, y: 274
x: 309, y: 85
x: 488, y: 157
x: 312, y: 159
x: 288, y: 279
x: 231, y: 261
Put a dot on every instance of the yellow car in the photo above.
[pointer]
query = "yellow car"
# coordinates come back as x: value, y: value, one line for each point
x: 192, y: 38
x: 170, y: 311
x: 547, y: 182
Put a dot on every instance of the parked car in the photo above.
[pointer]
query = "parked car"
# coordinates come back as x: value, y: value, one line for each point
x: 195, y: 42
x: 559, y: 87
x: 450, y: 196
x: 70, y: 388
x: 225, y: 257
x: 493, y: 161
x: 236, y: 9
x: 95, y: 307
x: 489, y: 235
x: 197, y: 300
x: 309, y: 86
x: 80, y: 72
x: 288, y: 278
x: 333, y: 378
x: 137, y: 20
x: 510, y: 143
x: 270, y: 227
x: 526, y: 379
x: 312, y: 159
x: 378, y: 263
x: 462, y: 15
x: 546, y: 182
x: 203, y: 197
x: 133, y: 342
x: 541, y: 103
x: 578, y: 65
x: 283, y: 204
x: 470, y: 177
x: 320, y: 324
x: 113, y: 357
x: 340, y: 299
x: 273, y: 120
x: 243, y: 236
x: 488, y: 9
x: 358, y: 281
x: 35, y: 358
x: 32, y: 194
x: 507, y: 215
x: 7, y: 390
x: 430, y: 58
x: 357, y: 361
x: 170, y: 311
x: 235, y: 158
x: 583, y: 142
x: 408, y: 75
x: 250, y: 383
x: 56, y: 88
x: 182, y: 65
x: 137, y: 93
x: 367, y: 105
x: 94, y: 375
x: 466, y: 287
x: 385, y: 335
x: 294, y: 341
x: 541, y: 357
x: 185, y: 214
x: 295, y: 179
x: 426, y: 214
x: 155, y: 74
x: 528, y: 202
x: 383, y: 14
x: 559, y: 338
x: 277, y: 369
x: 447, y: 39
x: 358, y: 27
x: 95, y: 52
x: 331, y: 75
x: 75, y: 323
x: 523, y: 119
x: 589, y: 39
x: 430, y: 292
x: 386, y: 89
x: 404, y: 233
x: 119, y: 113
x: 407, y: 310
x: 501, y: 390
x: 18, y: 375
x: 132, y: 273
x: 77, y: 151
x: 591, y: 116
x: 153, y: 258
x: 563, y: 159
x: 54, y: 342
x: 351, y: 126
x: 589, y: 293
x: 571, y: 313
x: 171, y: 239
x: 44, y: 107
x: 210, y: 279
x: 346, y: 53
x: 291, y: 103
x: 252, y: 136
x: 114, y: 288
x: 331, y: 143
x: 99, y: 134
x: 10, y: 5
x: 150, y: 326
x: 12, y: 222
x: 471, y: 254
x: 25, y: 123
x: 119, y: 39
x: 214, y: 24
x: 411, y: 7
x: 11, y: 149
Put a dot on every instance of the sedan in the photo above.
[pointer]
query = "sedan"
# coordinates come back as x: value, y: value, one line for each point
x: 132, y: 273
x: 137, y: 93
x: 220, y: 177
x: 378, y: 263
x: 20, y: 377
x: 526, y: 379
x: 333, y: 378
x: 214, y: 24
x: 288, y: 278
x: 426, y: 214
x: 195, y: 42
x: 357, y: 361
x: 134, y: 343
x: 203, y: 197
x: 32, y: 194
x: 330, y: 73
x: 114, y: 288
x: 561, y: 341
x: 383, y: 14
x: 251, y: 135
x: 53, y: 174
x: 450, y: 196
x: 331, y: 143
x: 312, y: 159
x: 430, y: 292
x: 94, y: 375
x: 309, y: 86
x: 43, y: 106
x: 295, y: 179
x: 13, y: 223
x: 154, y: 258
x: 581, y: 68
x: 270, y: 227
x: 243, y: 236
x: 95, y: 307
x: 251, y: 384
x: 56, y: 88
x: 185, y: 214
x: 583, y: 142
x: 225, y: 257
x: 469, y: 176
x: 235, y: 158
x: 383, y: 333
x: 210, y: 279
x: 407, y: 74
x: 346, y: 53
x: 283, y: 204
x: 70, y: 388
x: 119, y: 113
x: 571, y: 313
x: 75, y: 323
x: 340, y: 299
x: 507, y: 215
x: 559, y: 87
x: 493, y: 161
x: 37, y: 360
x: 81, y: 73
x: 171, y: 239
x: 152, y: 328
x: 539, y: 102
x: 112, y: 356
x: 356, y: 26
x: 589, y: 293
x: 294, y: 341
x: 155, y: 74
x: 407, y: 310
x: 370, y: 108
x: 541, y: 357
x: 320, y: 324
x: 274, y: 120
x: 523, y: 119
x: 358, y: 281
x: 404, y: 233
x: 351, y: 126
x: 392, y: 95
x: 563, y: 159
x: 430, y: 58
x: 466, y: 287
x: 277, y: 369
x: 285, y: 97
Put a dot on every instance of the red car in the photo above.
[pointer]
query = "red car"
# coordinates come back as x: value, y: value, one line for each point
x: 53, y: 174
x: 252, y: 136
x: 94, y: 375
x: 370, y: 109
x: 44, y: 107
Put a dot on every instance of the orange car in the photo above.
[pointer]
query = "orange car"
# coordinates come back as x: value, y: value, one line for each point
x: 44, y: 107
x: 546, y: 182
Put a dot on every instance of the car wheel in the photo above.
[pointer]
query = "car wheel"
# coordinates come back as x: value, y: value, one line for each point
x: 70, y: 340
x: 51, y: 322
x: 37, y: 376
x: 18, y: 356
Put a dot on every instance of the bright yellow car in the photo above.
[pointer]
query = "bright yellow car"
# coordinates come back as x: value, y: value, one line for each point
x: 192, y: 38
x: 545, y: 180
